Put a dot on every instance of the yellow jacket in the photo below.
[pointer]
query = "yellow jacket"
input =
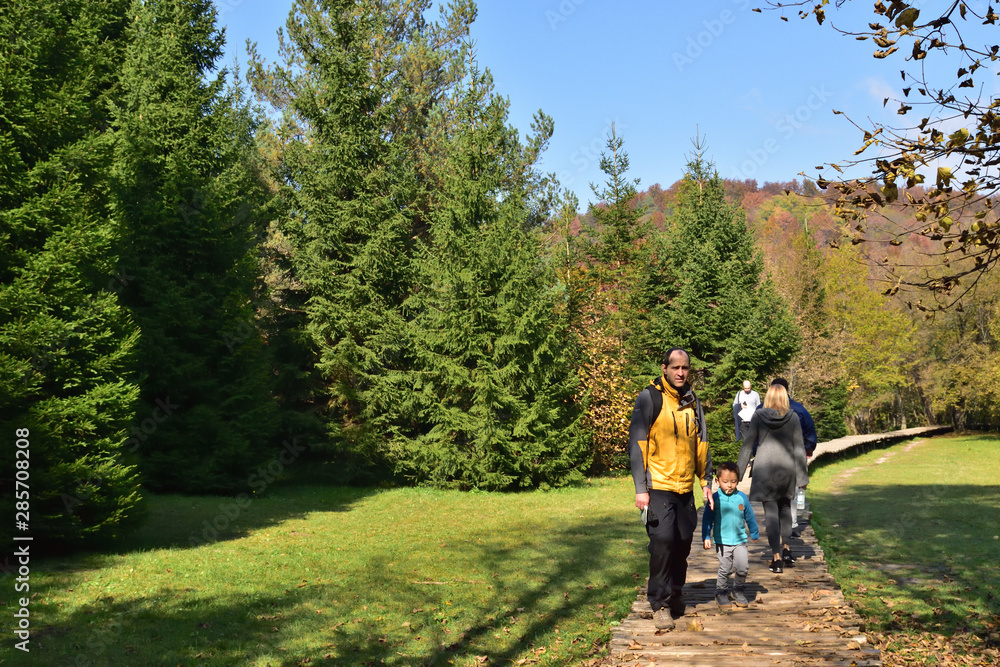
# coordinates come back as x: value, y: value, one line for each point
x: 669, y: 451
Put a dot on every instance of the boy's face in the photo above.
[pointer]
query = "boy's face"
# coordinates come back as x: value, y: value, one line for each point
x: 727, y: 482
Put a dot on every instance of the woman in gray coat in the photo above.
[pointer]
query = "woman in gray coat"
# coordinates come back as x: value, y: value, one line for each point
x: 779, y: 468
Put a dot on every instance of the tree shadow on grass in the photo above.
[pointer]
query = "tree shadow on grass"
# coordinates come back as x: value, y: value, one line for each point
x: 932, y: 544
x: 178, y: 521
x: 513, y: 604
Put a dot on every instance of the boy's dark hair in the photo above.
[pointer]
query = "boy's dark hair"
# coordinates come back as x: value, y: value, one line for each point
x: 727, y: 465
x: 782, y: 381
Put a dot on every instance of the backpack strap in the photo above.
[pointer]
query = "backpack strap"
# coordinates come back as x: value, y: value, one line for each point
x: 657, y: 399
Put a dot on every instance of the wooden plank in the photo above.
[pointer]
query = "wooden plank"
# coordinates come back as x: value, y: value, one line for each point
x: 799, y: 617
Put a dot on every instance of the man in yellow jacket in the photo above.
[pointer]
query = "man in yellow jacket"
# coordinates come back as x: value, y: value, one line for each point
x: 668, y: 448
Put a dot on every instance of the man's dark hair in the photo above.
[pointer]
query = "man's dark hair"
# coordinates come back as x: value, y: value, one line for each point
x: 727, y: 465
x: 666, y: 355
x: 782, y: 381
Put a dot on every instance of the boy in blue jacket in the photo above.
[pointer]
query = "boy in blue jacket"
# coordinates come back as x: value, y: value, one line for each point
x: 729, y: 522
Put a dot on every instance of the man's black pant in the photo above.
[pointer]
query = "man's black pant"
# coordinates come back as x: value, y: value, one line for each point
x: 744, y: 429
x: 670, y: 526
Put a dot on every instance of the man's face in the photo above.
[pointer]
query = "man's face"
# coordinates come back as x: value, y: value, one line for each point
x: 746, y: 387
x: 676, y: 369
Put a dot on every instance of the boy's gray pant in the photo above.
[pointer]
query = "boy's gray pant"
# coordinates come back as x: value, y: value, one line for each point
x: 732, y: 558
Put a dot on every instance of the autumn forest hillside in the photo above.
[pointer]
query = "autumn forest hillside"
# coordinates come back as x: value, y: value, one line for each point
x: 868, y: 361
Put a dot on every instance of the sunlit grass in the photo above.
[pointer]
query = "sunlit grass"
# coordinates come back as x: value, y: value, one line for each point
x: 350, y: 577
x: 911, y: 535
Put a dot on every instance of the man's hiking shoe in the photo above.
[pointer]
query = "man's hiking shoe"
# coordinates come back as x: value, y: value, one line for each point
x: 739, y: 598
x: 662, y: 619
x: 722, y: 599
x: 786, y: 555
x: 776, y: 566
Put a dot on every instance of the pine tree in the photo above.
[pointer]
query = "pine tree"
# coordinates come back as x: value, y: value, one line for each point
x: 616, y: 260
x: 359, y: 162
x: 490, y: 399
x: 712, y: 298
x: 187, y: 202
x: 65, y: 341
x: 618, y: 218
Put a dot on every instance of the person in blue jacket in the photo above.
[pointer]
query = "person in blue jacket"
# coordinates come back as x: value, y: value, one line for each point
x: 728, y: 522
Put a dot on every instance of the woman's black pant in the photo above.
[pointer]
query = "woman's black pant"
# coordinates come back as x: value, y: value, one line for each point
x: 778, y: 522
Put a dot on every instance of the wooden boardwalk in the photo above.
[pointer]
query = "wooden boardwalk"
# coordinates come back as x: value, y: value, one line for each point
x: 799, y: 617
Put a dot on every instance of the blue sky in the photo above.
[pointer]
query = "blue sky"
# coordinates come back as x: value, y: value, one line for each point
x: 760, y: 90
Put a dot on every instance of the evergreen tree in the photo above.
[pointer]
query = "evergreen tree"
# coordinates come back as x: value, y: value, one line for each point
x: 187, y: 201
x: 618, y: 220
x: 489, y: 403
x: 708, y: 294
x: 65, y: 342
x: 358, y: 88
x: 616, y: 259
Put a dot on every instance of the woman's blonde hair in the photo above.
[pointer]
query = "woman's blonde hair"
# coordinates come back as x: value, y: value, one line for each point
x: 777, y: 398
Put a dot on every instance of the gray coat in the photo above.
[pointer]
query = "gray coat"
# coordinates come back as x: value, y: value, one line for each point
x: 780, y: 464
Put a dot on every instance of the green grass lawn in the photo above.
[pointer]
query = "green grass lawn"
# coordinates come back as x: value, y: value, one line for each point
x: 912, y: 535
x: 324, y: 575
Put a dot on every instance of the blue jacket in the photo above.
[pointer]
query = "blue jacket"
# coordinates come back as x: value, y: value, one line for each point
x: 808, y: 426
x: 729, y: 519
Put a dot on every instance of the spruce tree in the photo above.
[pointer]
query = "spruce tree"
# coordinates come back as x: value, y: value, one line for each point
x: 489, y: 398
x: 358, y: 87
x: 615, y: 261
x: 709, y: 294
x: 187, y: 203
x: 65, y: 341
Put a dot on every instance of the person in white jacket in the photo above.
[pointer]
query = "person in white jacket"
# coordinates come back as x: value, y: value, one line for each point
x: 744, y: 405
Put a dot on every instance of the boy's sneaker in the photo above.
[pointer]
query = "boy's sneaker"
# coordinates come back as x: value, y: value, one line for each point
x: 662, y: 619
x: 786, y: 555
x: 776, y: 566
x: 739, y: 598
x: 722, y: 598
